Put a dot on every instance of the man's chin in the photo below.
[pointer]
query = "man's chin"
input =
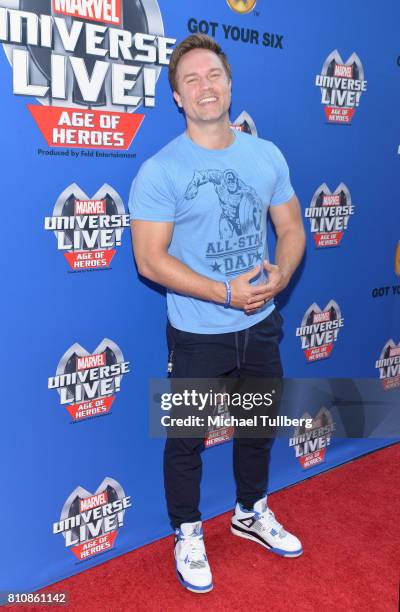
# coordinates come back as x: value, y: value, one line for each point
x: 213, y: 116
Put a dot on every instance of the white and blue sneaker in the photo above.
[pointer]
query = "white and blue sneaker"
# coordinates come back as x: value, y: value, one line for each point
x: 192, y: 565
x: 261, y: 526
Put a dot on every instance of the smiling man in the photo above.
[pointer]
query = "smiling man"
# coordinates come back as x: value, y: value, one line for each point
x: 198, y: 211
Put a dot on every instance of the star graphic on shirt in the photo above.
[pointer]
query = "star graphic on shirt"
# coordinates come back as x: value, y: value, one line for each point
x: 216, y: 267
x: 258, y: 256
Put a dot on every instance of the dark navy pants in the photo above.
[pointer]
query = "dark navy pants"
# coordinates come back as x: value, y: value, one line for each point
x: 250, y: 353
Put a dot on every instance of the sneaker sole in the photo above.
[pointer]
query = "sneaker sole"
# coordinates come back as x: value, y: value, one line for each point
x: 192, y: 588
x: 249, y: 536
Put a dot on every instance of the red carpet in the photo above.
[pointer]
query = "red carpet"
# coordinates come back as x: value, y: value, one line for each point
x: 347, y: 519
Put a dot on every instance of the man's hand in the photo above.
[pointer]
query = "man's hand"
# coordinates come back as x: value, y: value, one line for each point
x: 268, y: 290
x: 251, y: 297
x: 242, y: 290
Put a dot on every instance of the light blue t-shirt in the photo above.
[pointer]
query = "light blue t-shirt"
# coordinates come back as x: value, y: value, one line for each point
x: 218, y: 201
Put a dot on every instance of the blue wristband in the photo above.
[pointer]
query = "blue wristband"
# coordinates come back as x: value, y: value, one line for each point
x: 228, y: 294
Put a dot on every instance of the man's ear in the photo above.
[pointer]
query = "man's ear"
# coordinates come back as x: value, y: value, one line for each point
x: 177, y: 99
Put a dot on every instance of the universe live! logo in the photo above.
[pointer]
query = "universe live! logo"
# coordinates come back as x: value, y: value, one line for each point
x: 88, y: 230
x: 329, y: 215
x: 341, y: 87
x: 388, y: 365
x: 87, y: 382
x: 310, y: 445
x: 90, y: 522
x: 217, y: 434
x: 319, y: 330
x: 90, y: 64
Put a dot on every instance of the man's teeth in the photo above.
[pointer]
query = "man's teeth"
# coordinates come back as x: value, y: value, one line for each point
x: 210, y: 99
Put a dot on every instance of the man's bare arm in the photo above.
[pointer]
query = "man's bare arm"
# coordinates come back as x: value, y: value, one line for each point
x: 290, y: 247
x: 151, y: 240
x: 291, y: 242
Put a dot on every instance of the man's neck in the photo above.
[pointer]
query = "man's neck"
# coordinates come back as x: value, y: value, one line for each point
x: 216, y: 135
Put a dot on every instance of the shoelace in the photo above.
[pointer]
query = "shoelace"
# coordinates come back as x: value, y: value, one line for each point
x: 193, y: 548
x: 268, y: 521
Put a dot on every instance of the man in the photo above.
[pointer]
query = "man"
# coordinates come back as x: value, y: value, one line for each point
x: 198, y: 210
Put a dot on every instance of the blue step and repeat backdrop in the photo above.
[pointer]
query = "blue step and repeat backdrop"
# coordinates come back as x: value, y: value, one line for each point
x: 85, y: 101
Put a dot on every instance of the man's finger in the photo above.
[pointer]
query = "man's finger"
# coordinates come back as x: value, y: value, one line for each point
x: 264, y: 297
x: 261, y: 291
x: 254, y: 306
x: 259, y: 299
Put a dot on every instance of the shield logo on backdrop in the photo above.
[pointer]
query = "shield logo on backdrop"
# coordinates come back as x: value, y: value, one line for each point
x: 312, y: 451
x: 244, y: 123
x: 340, y: 102
x: 242, y: 6
x: 217, y: 434
x: 389, y: 365
x: 65, y: 207
x: 88, y: 535
x: 68, y: 364
x: 323, y: 227
x: 319, y: 344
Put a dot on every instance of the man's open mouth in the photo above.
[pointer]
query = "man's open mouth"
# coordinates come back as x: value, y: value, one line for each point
x: 208, y: 100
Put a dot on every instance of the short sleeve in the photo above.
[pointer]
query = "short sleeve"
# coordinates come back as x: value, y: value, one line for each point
x: 283, y: 190
x: 151, y: 197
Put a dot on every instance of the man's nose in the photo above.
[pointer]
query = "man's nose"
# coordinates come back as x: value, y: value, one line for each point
x: 205, y: 82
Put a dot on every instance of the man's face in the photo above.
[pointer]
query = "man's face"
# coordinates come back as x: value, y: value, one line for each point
x: 204, y: 90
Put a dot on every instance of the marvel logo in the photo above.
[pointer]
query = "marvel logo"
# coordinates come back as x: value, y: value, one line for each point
x: 319, y: 317
x: 341, y: 70
x: 90, y: 207
x: 331, y: 200
x: 93, y: 502
x: 90, y: 361
x: 107, y: 11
